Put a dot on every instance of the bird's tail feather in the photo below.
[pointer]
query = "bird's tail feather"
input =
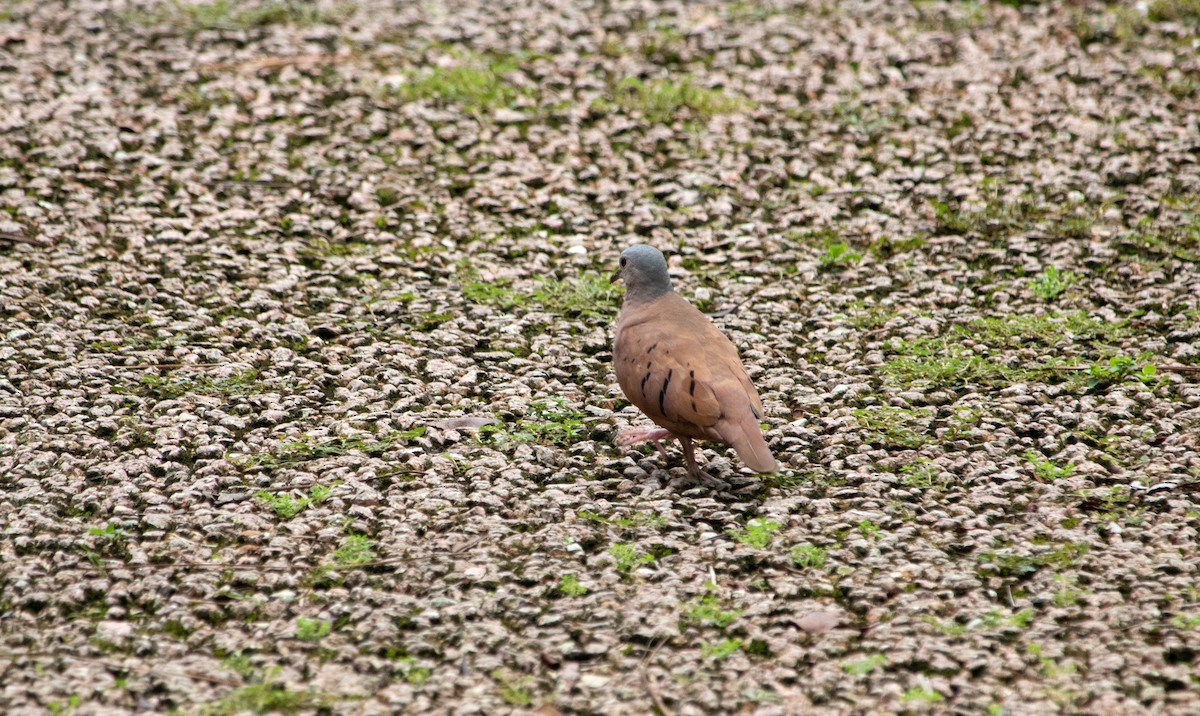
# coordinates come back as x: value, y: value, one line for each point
x: 746, y: 438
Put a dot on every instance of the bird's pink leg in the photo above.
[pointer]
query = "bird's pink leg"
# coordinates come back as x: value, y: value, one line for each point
x: 689, y: 454
x: 634, y: 436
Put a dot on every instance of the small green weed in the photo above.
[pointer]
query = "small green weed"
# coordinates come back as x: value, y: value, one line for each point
x: 664, y: 100
x: 869, y: 317
x: 105, y: 346
x: 993, y: 619
x: 109, y: 533
x: 1187, y: 11
x: 943, y: 363
x: 838, y: 255
x: 387, y: 196
x: 312, y: 629
x: 412, y: 673
x: 310, y: 448
x: 815, y: 238
x: 1050, y: 329
x: 640, y: 520
x: 661, y: 47
x: 1000, y: 215
x: 1051, y: 668
x: 1119, y: 22
x: 756, y: 647
x: 267, y: 696
x: 996, y: 618
x: 921, y: 475
x: 762, y: 695
x: 720, y: 650
x: 950, y: 629
x: 58, y: 708
x: 517, y: 691
x: 288, y: 506
x: 405, y: 435
x: 244, y: 382
x: 628, y: 557
x: 865, y: 665
x: 921, y: 693
x: 590, y: 294
x: 894, y: 427
x: 238, y: 663
x: 432, y: 319
x: 1118, y: 369
x: 757, y: 533
x: 1187, y: 621
x: 864, y: 119
x: 1047, y: 470
x: 1051, y: 283
x: 808, y: 556
x: 1111, y: 503
x: 636, y: 521
x: 569, y: 586
x: 550, y: 421
x: 487, y: 293
x: 1008, y: 564
x: 478, y: 83
x: 318, y: 250
x: 868, y: 529
x: 1068, y: 595
x: 176, y: 630
x: 1179, y: 242
x: 993, y: 219
x: 886, y: 247
x: 961, y: 124
x: 708, y: 610
x: 354, y: 550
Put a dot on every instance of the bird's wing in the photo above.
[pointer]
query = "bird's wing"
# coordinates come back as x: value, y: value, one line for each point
x: 679, y: 369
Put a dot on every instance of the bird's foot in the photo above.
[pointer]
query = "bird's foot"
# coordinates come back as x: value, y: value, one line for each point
x: 702, y: 479
x: 634, y: 436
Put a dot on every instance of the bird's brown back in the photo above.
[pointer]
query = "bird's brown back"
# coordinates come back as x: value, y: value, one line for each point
x: 685, y: 375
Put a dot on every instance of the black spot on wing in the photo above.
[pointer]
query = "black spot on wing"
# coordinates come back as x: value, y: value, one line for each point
x: 652, y: 347
x: 692, y: 387
x: 662, y: 393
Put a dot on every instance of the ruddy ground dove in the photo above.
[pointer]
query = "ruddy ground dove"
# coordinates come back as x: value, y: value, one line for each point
x: 680, y: 369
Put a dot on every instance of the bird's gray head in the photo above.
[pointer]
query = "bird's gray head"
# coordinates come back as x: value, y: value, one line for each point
x: 644, y: 271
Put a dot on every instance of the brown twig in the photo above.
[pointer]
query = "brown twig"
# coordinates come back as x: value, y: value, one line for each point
x: 466, y: 546
x: 20, y: 239
x: 732, y: 309
x: 652, y: 690
x: 649, y: 685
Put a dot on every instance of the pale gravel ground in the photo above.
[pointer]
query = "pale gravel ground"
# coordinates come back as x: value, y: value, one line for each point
x: 257, y: 268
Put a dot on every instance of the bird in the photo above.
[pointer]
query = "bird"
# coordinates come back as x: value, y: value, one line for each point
x: 681, y: 370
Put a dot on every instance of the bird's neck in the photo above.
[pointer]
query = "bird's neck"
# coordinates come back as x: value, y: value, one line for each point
x: 635, y: 295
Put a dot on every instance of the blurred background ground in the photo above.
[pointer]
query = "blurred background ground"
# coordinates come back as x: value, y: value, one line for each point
x: 306, y: 402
